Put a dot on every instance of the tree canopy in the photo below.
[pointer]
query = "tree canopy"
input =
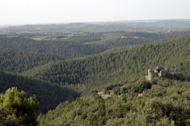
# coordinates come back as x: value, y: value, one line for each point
x: 16, y: 108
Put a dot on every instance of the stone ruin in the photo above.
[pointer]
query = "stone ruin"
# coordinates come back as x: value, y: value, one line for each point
x: 156, y: 72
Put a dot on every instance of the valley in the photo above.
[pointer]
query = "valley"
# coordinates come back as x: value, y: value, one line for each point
x: 93, y: 74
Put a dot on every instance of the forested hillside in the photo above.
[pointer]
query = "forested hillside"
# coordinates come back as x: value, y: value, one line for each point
x: 96, y: 78
x: 19, y: 61
x: 119, y: 66
x: 165, y: 103
x: 49, y: 95
x: 70, y: 45
x: 53, y: 45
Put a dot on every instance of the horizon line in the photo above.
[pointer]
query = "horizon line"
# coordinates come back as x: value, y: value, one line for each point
x: 92, y: 22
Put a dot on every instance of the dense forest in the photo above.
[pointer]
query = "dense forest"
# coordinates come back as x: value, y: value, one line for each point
x: 135, y: 102
x: 118, y: 66
x: 19, y: 61
x: 72, y: 45
x: 165, y: 104
x: 94, y: 74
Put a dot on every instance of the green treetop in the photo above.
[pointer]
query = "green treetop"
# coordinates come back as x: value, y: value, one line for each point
x: 16, y: 105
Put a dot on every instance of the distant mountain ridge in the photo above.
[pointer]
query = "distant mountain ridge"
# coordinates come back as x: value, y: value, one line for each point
x: 151, y: 25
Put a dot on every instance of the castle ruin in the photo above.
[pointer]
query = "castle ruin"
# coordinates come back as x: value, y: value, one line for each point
x: 156, y: 72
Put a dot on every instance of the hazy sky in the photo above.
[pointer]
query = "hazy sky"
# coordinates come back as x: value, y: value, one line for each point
x: 62, y: 11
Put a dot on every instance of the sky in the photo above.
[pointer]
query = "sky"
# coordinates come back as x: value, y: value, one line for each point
x: 66, y: 11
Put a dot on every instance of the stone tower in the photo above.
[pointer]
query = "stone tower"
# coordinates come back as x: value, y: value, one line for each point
x: 150, y: 75
x: 156, y: 72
